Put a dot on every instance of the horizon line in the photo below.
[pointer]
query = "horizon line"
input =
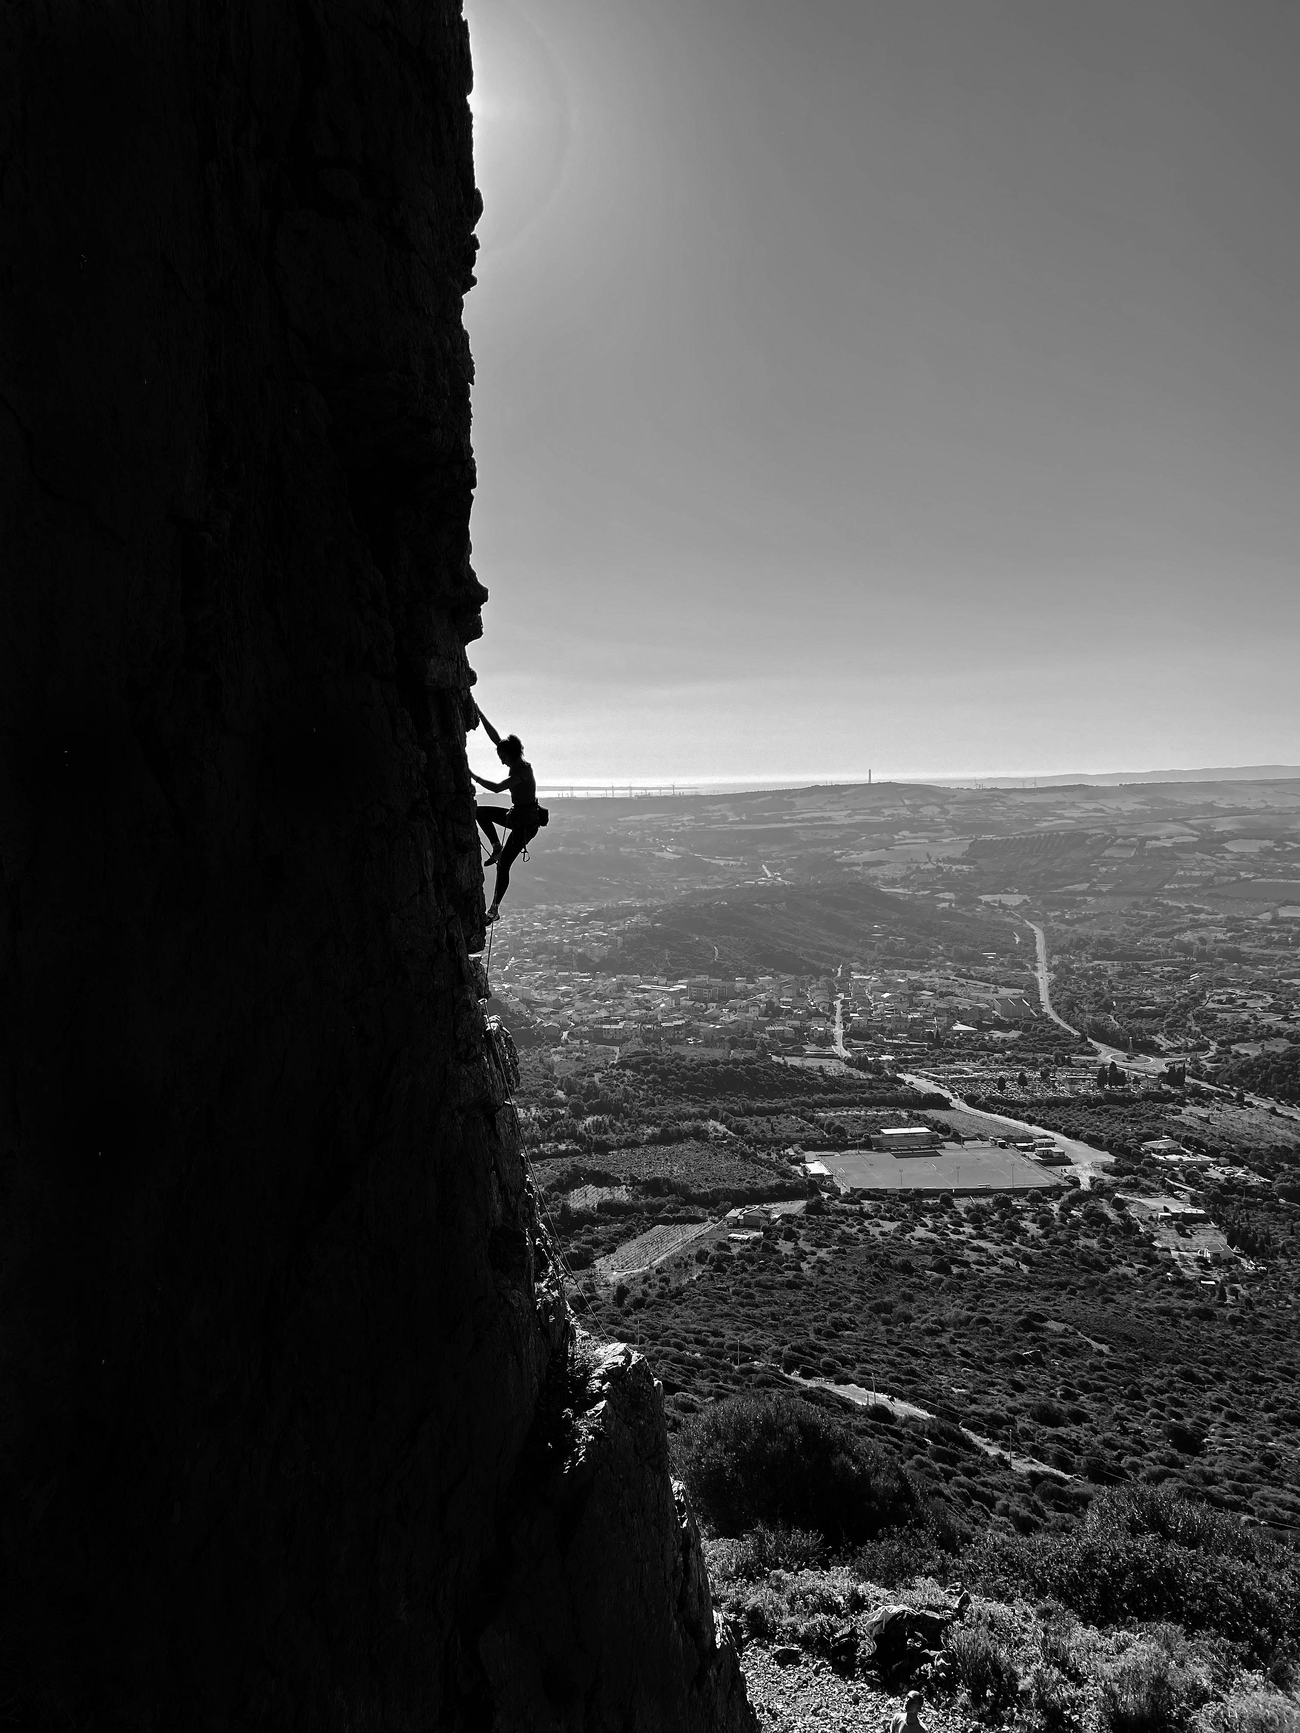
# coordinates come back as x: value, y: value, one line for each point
x: 758, y: 782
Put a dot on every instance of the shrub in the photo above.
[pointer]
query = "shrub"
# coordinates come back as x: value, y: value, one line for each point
x: 1283, y: 1668
x: 1190, y: 1439
x: 762, y: 1613
x: 832, y: 1591
x: 1144, y: 1695
x: 946, y: 1432
x: 817, y: 1634
x: 766, y: 1549
x: 1053, y: 1702
x: 1063, y: 1648
x: 1150, y: 1553
x: 780, y: 1461
x: 902, y: 1555
x: 1174, y: 1517
x: 1047, y: 1413
x: 1256, y: 1712
x: 983, y: 1664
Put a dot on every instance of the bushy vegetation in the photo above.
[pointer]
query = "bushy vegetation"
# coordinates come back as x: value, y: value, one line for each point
x: 780, y: 1462
x: 1151, y: 1553
x: 1053, y: 1702
x: 749, y: 1085
x: 1255, y: 1711
x: 1009, y: 1659
x: 1049, y: 1324
x: 710, y: 1171
x: 984, y: 1665
x: 1053, y: 1324
x: 1143, y: 1695
x: 1276, y: 1074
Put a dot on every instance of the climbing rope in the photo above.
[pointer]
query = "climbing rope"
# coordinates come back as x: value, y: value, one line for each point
x: 492, y: 930
x: 568, y: 1280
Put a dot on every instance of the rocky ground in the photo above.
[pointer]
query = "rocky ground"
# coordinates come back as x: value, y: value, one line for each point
x: 823, y: 1648
x: 790, y: 1689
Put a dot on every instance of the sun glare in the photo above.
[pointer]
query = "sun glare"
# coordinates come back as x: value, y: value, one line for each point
x: 521, y: 121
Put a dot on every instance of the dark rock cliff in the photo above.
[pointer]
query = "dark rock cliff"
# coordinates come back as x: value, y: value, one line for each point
x: 294, y: 1430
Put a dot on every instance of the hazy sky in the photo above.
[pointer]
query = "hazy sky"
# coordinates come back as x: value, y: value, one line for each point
x: 911, y: 384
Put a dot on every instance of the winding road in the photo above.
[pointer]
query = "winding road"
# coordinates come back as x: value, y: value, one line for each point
x: 1140, y: 1062
x: 1087, y: 1160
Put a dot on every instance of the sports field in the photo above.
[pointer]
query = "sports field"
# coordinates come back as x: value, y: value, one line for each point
x: 974, y: 1167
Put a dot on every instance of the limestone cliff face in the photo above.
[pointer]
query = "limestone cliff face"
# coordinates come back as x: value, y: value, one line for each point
x: 276, y: 1322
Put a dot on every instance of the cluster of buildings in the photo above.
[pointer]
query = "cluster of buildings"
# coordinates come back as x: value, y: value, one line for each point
x: 921, y: 1001
x: 584, y: 1007
x: 1191, y: 1169
x: 1273, y: 1012
x: 563, y: 975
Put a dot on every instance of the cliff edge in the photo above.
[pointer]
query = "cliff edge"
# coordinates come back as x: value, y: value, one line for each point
x: 284, y: 1368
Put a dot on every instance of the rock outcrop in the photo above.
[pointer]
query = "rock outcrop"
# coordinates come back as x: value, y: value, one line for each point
x: 277, y: 1322
x: 600, y: 1534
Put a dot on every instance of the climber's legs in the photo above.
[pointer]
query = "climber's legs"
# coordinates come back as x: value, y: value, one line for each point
x: 488, y: 818
x: 516, y: 843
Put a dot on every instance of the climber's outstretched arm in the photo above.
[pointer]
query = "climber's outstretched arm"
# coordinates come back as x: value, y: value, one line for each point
x: 492, y: 734
x: 483, y: 782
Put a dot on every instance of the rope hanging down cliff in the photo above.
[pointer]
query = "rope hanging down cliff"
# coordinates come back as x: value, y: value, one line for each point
x: 523, y: 819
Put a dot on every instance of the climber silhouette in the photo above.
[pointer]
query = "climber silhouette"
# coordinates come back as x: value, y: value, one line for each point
x: 523, y: 818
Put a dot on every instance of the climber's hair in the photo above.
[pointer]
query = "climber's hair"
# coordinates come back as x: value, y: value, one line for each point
x: 511, y: 748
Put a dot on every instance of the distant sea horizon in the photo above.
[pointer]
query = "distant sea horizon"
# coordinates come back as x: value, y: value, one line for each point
x: 688, y: 785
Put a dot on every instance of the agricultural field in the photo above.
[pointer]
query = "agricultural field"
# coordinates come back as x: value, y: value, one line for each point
x: 658, y: 1142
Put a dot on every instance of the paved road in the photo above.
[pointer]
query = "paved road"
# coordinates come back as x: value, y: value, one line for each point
x: 840, y: 1048
x: 1044, y: 989
x: 1149, y: 1064
x: 1142, y: 1062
